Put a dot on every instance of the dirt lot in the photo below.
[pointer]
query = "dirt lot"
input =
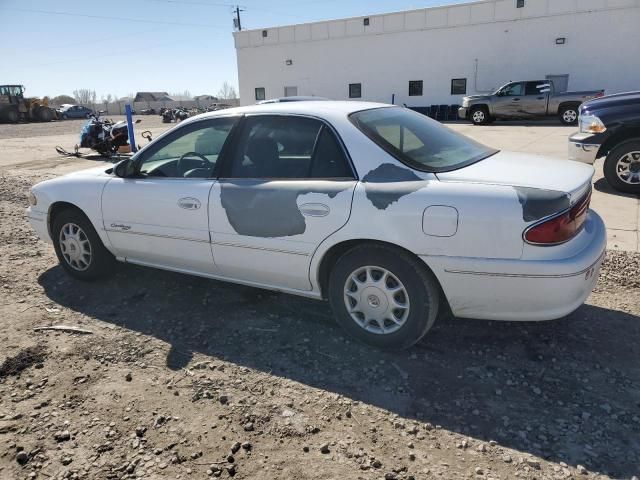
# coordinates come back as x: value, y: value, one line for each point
x: 182, y: 377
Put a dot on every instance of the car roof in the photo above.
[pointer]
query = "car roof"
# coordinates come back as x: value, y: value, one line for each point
x: 313, y: 108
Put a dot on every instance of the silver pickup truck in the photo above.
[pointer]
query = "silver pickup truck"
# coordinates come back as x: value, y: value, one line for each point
x: 529, y: 99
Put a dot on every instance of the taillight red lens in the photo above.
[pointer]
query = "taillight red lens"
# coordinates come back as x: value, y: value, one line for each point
x: 599, y: 94
x: 561, y: 228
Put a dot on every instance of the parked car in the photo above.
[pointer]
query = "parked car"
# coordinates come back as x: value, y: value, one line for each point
x: 610, y: 127
x: 74, y: 111
x: 391, y: 216
x: 148, y: 111
x: 528, y: 100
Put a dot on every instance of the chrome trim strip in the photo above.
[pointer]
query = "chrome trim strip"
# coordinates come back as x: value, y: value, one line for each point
x: 226, y: 244
x: 238, y: 245
x: 171, y: 237
x: 525, y: 275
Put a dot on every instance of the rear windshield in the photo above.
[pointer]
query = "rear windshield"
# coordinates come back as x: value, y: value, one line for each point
x: 418, y: 141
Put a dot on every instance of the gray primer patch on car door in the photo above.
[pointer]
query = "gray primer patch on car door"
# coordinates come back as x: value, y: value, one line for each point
x: 270, y: 212
x: 537, y: 204
x: 388, y: 183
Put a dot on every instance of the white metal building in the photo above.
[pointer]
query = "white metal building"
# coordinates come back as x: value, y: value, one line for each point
x: 436, y: 55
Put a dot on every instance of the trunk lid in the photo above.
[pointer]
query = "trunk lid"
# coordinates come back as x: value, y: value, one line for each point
x: 526, y: 170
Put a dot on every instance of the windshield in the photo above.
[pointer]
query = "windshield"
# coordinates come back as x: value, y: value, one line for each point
x: 418, y: 141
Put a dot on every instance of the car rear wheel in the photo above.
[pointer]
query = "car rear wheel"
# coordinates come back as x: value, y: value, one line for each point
x: 479, y: 116
x: 79, y: 248
x: 382, y: 296
x: 65, y: 116
x: 88, y: 115
x: 622, y: 167
x: 569, y: 115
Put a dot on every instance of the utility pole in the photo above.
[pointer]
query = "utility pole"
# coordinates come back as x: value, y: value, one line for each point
x: 236, y: 20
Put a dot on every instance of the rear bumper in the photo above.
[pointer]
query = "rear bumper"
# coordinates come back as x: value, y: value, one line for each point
x: 38, y: 221
x: 523, y: 290
x: 582, y: 148
x: 463, y: 112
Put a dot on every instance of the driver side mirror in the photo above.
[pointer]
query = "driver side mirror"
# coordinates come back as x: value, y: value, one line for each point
x: 125, y: 168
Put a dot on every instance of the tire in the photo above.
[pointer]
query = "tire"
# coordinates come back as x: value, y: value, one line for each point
x: 12, y: 116
x: 479, y: 115
x: 45, y: 114
x: 569, y: 114
x: 65, y: 116
x: 622, y: 167
x: 418, y: 297
x: 99, y: 263
x: 87, y: 116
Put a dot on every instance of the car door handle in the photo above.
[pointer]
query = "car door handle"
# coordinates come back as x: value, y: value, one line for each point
x: 314, y: 210
x: 541, y: 98
x: 516, y: 99
x: 189, y: 203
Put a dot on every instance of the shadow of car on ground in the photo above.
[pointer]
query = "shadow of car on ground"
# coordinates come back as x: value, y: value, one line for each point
x: 565, y: 390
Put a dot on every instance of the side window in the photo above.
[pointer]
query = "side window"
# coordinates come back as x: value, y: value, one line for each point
x: 513, y: 90
x: 536, y: 88
x: 190, y: 152
x: 274, y: 146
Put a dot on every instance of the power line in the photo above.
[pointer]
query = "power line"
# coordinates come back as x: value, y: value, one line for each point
x: 122, y: 19
x: 184, y: 2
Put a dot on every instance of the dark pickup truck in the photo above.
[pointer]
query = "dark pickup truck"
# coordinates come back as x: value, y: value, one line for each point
x: 529, y: 99
x: 610, y: 127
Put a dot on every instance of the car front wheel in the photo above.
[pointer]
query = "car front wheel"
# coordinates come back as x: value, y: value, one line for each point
x: 382, y: 296
x: 479, y: 116
x: 622, y: 167
x: 79, y: 248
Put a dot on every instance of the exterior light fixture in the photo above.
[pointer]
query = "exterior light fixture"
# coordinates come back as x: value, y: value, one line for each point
x: 288, y: 61
x: 561, y: 41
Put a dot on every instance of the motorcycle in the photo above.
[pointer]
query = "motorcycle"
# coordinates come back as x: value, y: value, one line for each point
x: 104, y: 136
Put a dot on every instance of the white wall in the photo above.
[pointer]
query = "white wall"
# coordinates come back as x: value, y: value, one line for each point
x: 437, y: 44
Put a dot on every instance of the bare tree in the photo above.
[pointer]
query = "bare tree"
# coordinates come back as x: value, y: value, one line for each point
x: 227, y: 92
x: 108, y: 99
x: 186, y: 95
x: 85, y: 96
x: 62, y: 99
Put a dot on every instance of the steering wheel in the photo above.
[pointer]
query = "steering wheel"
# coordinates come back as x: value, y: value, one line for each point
x: 180, y: 164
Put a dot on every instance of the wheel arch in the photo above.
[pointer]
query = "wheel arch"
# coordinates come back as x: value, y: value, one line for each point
x: 619, y: 137
x: 58, y: 207
x: 568, y: 103
x: 331, y: 256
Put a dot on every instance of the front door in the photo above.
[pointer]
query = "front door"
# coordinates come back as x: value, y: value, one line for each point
x: 286, y: 186
x: 160, y: 217
x: 508, y: 102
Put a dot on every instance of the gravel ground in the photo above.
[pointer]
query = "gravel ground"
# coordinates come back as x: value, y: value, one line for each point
x: 183, y: 377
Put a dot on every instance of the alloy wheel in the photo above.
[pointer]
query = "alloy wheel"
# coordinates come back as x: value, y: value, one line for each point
x: 376, y: 300
x: 478, y: 116
x: 570, y: 116
x: 628, y: 168
x: 75, y: 246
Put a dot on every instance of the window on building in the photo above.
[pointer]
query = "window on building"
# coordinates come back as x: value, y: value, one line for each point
x: 519, y: 3
x: 415, y: 88
x: 366, y: 22
x: 290, y: 91
x: 288, y: 147
x: 355, y: 90
x: 265, y: 33
x: 459, y: 86
x: 260, y: 94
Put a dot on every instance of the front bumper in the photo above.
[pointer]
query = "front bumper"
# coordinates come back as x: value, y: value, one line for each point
x: 582, y: 148
x: 524, y: 290
x: 38, y: 221
x: 463, y: 112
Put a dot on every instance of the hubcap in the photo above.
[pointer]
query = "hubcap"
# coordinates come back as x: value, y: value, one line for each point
x: 570, y: 116
x: 75, y: 246
x: 376, y: 300
x: 628, y: 168
x: 478, y: 116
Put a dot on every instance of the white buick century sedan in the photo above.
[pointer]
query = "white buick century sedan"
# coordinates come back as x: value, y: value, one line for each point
x: 386, y: 213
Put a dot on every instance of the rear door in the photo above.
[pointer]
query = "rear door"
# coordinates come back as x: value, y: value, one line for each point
x: 285, y: 187
x: 536, y: 94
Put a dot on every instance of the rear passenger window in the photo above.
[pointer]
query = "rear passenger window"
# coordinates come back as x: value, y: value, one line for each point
x: 281, y: 146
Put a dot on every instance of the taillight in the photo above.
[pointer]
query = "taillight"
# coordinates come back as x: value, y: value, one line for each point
x: 560, y: 228
x: 599, y: 94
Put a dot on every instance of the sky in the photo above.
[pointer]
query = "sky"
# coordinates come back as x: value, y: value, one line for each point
x: 118, y: 47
